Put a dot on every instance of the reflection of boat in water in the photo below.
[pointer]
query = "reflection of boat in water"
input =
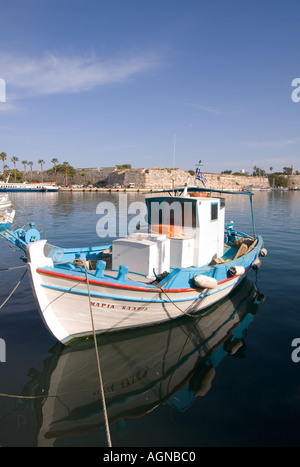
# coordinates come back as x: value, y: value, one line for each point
x: 141, y: 369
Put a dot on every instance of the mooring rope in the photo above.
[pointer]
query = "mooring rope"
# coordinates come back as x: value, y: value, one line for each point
x: 14, y: 267
x: 43, y: 396
x: 13, y: 291
x: 173, y: 303
x: 98, y: 364
x: 170, y: 300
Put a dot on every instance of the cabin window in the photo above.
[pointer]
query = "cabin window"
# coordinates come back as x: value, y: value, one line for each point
x: 214, y: 212
x: 172, y: 212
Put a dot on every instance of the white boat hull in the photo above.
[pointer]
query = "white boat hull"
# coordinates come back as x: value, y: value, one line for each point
x: 68, y: 305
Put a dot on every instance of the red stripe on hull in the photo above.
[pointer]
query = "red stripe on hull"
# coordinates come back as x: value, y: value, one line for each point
x: 123, y: 286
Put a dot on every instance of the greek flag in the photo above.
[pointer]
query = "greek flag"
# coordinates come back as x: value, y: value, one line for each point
x: 200, y: 176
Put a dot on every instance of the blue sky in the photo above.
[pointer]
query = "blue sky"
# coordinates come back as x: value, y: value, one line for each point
x: 154, y: 83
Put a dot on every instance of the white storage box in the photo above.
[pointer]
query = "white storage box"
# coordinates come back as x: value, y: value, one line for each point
x: 181, y: 252
x: 142, y: 253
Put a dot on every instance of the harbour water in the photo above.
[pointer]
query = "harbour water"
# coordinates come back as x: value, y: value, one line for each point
x: 229, y: 377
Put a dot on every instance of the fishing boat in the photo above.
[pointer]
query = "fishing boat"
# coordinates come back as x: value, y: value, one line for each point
x: 188, y: 260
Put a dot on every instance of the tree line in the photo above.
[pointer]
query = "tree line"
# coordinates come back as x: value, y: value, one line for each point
x: 275, y: 178
x: 64, y: 168
x: 258, y: 172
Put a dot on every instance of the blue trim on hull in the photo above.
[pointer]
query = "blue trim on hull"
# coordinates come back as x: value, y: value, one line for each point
x: 132, y: 299
x: 4, y: 190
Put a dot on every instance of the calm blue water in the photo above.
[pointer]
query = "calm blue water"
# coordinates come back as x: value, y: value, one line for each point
x: 173, y: 385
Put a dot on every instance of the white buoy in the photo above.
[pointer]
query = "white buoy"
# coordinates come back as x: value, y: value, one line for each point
x: 237, y: 270
x: 256, y: 264
x: 263, y: 252
x: 205, y: 282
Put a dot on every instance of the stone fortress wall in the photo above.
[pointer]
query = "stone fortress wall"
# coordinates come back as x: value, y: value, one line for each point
x: 156, y: 178
x: 161, y: 178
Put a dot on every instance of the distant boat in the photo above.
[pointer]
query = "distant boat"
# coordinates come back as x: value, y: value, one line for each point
x: 5, y: 203
x: 6, y: 220
x: 24, y: 187
x: 183, y: 265
x: 6, y: 214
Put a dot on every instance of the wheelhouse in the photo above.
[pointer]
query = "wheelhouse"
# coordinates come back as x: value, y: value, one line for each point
x: 194, y: 225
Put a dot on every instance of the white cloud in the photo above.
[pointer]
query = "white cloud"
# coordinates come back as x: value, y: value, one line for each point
x: 55, y: 74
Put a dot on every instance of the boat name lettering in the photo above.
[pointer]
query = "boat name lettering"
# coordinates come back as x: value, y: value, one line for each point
x: 134, y: 308
x: 124, y: 307
x: 102, y: 305
x: 129, y: 381
x: 125, y: 382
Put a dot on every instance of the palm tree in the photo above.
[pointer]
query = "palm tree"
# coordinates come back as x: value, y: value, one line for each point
x: 5, y: 167
x: 15, y: 159
x: 24, y: 163
x: 66, y: 166
x: 3, y: 157
x: 41, y: 162
x: 30, y: 164
x: 54, y: 162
